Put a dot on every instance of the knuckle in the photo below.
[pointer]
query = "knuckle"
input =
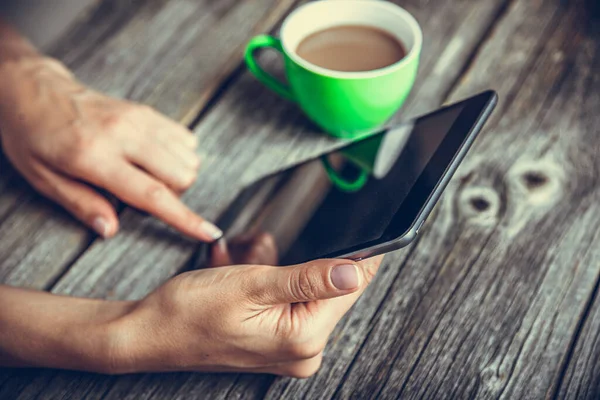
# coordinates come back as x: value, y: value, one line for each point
x: 75, y: 206
x: 135, y: 111
x: 111, y: 121
x: 155, y: 192
x: 187, y: 179
x: 368, y: 275
x: 369, y: 270
x: 305, y: 287
x: 304, y: 349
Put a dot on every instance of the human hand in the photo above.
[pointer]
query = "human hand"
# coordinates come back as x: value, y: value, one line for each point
x: 240, y: 319
x: 68, y: 140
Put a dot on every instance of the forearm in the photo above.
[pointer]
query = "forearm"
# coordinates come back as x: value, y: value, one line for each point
x: 24, y: 73
x: 36, y: 328
x: 17, y: 53
x: 39, y: 329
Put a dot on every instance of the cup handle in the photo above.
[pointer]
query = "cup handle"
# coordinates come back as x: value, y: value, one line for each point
x: 266, y: 41
x: 341, y: 183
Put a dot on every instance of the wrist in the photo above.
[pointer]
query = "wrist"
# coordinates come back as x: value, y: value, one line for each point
x: 33, y: 65
x: 102, y: 343
x: 24, y: 82
x: 45, y: 330
x: 135, y: 341
x: 80, y: 339
x: 18, y: 56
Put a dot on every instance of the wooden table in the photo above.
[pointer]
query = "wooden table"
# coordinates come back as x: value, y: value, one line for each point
x: 499, y: 296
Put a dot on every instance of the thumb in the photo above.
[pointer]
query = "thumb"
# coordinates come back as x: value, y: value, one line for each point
x: 82, y: 201
x: 316, y: 280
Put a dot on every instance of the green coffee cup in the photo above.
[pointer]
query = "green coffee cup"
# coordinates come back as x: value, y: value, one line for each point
x: 344, y: 104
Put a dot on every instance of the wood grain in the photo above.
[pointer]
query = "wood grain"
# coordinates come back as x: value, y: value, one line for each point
x: 582, y: 367
x: 488, y: 302
x: 582, y: 375
x: 169, y: 54
x: 520, y: 32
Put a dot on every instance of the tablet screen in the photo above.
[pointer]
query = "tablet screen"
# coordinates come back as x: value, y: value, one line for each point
x: 310, y: 216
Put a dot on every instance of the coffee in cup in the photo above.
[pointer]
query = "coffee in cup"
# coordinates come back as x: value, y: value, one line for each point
x: 351, y: 48
x: 346, y: 96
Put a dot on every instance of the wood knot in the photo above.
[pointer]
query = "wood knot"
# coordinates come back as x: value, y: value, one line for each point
x: 534, y: 179
x: 540, y: 181
x: 493, y: 377
x: 480, y: 204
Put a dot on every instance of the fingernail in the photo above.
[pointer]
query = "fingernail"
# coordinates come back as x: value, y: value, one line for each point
x: 210, y: 230
x: 344, y: 277
x: 101, y: 226
x: 222, y: 243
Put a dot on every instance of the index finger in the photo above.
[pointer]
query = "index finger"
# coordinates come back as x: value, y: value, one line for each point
x: 140, y: 190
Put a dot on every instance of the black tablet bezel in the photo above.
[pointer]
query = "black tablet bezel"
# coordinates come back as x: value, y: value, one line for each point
x: 405, y: 223
x: 442, y: 165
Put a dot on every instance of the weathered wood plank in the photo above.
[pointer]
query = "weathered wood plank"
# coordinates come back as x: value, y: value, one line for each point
x: 169, y: 54
x: 507, y: 55
x: 488, y: 302
x: 582, y: 376
x: 518, y: 35
x: 245, y: 122
x: 582, y: 369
